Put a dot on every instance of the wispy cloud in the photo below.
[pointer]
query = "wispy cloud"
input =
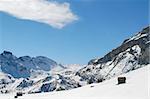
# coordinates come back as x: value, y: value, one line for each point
x: 52, y: 13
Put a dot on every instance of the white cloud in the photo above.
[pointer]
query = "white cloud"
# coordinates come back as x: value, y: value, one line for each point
x: 49, y: 12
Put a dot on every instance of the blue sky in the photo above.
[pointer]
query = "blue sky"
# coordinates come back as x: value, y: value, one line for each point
x: 101, y: 26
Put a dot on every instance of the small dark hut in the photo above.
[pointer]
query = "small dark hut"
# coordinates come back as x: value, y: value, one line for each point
x: 121, y: 80
x: 18, y: 94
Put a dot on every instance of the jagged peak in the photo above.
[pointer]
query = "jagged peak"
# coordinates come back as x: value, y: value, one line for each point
x: 7, y: 53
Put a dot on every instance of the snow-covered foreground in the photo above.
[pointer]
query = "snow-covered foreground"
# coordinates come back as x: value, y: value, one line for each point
x: 137, y: 87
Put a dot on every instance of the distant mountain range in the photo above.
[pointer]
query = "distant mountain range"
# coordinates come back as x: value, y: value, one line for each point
x: 41, y: 74
x: 24, y: 66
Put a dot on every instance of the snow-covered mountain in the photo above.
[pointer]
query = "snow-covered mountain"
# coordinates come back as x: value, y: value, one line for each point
x: 35, y: 74
x: 23, y: 67
x: 41, y: 74
x: 5, y: 81
x: 132, y: 54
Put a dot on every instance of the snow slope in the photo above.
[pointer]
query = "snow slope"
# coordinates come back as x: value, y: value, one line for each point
x: 137, y: 87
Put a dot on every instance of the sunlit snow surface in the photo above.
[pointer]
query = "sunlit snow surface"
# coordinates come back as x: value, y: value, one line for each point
x: 137, y: 87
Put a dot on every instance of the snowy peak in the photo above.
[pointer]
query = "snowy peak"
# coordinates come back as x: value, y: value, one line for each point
x: 39, y: 62
x: 6, y: 55
x: 44, y: 63
x: 23, y: 66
